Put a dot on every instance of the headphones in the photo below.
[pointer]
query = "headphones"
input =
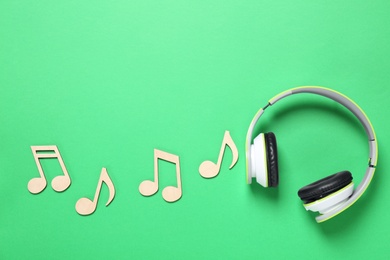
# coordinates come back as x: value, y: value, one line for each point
x: 328, y: 196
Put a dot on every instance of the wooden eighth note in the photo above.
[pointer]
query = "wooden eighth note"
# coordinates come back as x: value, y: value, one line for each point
x: 170, y: 193
x: 59, y: 183
x: 208, y: 169
x: 85, y: 206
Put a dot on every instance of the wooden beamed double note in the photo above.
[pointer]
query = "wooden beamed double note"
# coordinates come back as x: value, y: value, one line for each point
x: 59, y: 183
x: 170, y: 193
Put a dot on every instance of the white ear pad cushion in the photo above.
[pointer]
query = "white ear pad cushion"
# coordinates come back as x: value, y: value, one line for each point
x: 331, y: 201
x: 259, y: 160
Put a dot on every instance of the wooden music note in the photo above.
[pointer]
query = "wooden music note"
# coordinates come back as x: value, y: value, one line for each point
x: 208, y: 169
x: 85, y: 206
x: 170, y: 193
x: 59, y: 183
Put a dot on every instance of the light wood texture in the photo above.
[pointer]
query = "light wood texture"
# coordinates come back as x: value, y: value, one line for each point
x: 208, y: 169
x: 85, y: 206
x: 59, y: 183
x: 170, y: 193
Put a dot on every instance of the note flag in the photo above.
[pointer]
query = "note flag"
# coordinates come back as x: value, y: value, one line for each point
x: 85, y: 206
x: 170, y: 193
x: 208, y: 169
x: 59, y: 183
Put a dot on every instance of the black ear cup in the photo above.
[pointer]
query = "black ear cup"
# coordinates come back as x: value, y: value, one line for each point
x: 325, y: 186
x: 272, y: 159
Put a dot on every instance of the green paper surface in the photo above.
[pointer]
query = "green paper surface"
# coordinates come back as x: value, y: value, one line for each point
x: 109, y: 81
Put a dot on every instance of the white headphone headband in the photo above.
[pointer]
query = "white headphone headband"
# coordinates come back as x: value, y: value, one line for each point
x: 356, y: 110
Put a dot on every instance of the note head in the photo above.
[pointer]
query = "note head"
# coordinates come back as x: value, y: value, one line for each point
x: 85, y: 206
x: 171, y: 193
x: 208, y: 169
x: 60, y: 183
x: 36, y: 185
x: 148, y: 188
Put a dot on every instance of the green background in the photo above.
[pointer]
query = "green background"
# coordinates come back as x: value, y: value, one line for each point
x: 109, y: 81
